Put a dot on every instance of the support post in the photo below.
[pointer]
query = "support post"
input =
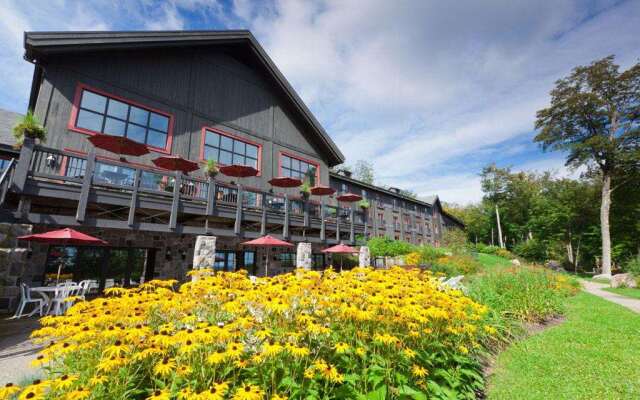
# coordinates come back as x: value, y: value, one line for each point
x: 263, y: 218
x: 86, y: 185
x: 238, y: 223
x: 338, y: 224
x: 24, y: 207
x: 204, y: 253
x: 134, y: 198
x: 364, y: 257
x: 175, y: 205
x: 305, y: 205
x: 285, y: 226
x: 352, y: 237
x: 24, y: 162
x: 211, y: 196
x: 323, y: 235
x: 303, y: 255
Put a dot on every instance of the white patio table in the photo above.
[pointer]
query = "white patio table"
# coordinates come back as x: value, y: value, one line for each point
x: 45, y: 292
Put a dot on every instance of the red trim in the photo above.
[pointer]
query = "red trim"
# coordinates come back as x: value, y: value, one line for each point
x: 290, y: 155
x: 71, y: 125
x: 63, y: 166
x: 232, y: 136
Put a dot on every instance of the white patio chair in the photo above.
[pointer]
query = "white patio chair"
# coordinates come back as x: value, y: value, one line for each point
x: 25, y: 298
x: 57, y: 302
x: 83, y: 288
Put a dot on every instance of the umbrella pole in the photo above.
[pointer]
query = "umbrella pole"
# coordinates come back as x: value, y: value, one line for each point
x: 266, y: 264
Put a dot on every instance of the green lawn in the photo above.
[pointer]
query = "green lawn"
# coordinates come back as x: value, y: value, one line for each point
x: 628, y: 292
x: 490, y: 261
x: 594, y: 354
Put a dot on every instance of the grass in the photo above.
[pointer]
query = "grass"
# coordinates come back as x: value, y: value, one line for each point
x: 492, y: 262
x: 627, y: 292
x: 594, y: 354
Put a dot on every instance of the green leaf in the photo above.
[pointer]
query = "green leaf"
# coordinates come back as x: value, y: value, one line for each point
x: 378, y: 394
x: 407, y: 392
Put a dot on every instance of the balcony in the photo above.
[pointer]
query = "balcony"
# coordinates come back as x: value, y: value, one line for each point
x: 121, y: 195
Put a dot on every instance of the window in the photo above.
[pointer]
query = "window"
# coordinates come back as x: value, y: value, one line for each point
x: 298, y: 168
x: 287, y: 260
x: 3, y: 163
x: 364, y: 194
x: 318, y: 261
x: 95, y: 112
x: 228, y: 150
x: 343, y: 187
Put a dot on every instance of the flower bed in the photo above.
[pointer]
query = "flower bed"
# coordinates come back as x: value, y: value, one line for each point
x: 359, y: 334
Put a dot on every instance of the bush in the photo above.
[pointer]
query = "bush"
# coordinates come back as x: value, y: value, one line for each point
x: 531, y: 250
x: 387, y: 247
x: 633, y: 267
x: 456, y: 240
x: 364, y: 333
x: 456, y: 265
x: 523, y: 294
x: 412, y: 259
x: 429, y: 254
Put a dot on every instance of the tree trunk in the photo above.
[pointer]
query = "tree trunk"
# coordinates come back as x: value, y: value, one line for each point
x: 604, y: 223
x: 499, y: 227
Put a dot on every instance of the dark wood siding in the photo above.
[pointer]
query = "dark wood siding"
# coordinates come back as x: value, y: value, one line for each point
x: 198, y: 86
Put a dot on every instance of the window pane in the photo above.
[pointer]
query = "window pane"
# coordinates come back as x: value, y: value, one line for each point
x: 225, y: 157
x: 136, y: 132
x: 238, y: 147
x: 252, y: 162
x: 114, y: 127
x: 89, y: 120
x: 212, y: 139
x: 295, y: 164
x: 138, y: 115
x: 210, y: 153
x: 226, y: 143
x: 159, y: 122
x: 286, y: 162
x: 157, y: 139
x: 238, y: 159
x: 252, y: 151
x: 117, y: 109
x: 93, y: 101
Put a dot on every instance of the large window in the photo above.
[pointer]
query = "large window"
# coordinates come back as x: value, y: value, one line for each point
x: 3, y: 163
x: 99, y: 113
x: 228, y: 150
x: 298, y: 168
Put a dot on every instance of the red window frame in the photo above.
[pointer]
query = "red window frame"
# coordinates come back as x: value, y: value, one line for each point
x: 71, y: 125
x: 291, y: 155
x: 232, y: 136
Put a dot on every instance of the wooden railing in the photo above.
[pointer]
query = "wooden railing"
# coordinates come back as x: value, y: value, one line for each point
x: 5, y: 180
x: 89, y: 172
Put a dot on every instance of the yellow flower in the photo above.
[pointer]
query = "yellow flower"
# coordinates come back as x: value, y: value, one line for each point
x: 410, y: 354
x: 248, y: 392
x: 331, y: 373
x: 78, y: 394
x: 218, y: 357
x: 279, y: 397
x: 341, y: 347
x: 360, y: 351
x: 418, y: 371
x: 8, y: 390
x: 98, y: 380
x: 184, y: 370
x: 164, y: 367
x: 215, y: 392
x: 234, y: 350
x: 117, y: 349
x: 64, y: 382
x: 272, y: 349
x: 163, y: 394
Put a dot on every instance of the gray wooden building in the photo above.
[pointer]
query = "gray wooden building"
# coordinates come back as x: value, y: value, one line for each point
x: 200, y: 95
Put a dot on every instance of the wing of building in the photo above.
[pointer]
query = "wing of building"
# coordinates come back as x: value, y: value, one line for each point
x: 199, y: 95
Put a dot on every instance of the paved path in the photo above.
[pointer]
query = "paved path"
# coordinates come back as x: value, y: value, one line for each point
x: 595, y: 288
x: 16, y: 350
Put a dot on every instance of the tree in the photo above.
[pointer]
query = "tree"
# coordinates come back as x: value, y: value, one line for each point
x: 494, y: 184
x: 364, y: 172
x: 595, y: 116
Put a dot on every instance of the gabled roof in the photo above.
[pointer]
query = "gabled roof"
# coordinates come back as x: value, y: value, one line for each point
x: 7, y: 120
x: 40, y: 44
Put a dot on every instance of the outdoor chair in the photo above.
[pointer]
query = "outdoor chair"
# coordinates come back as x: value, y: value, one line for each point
x: 57, y: 302
x: 25, y: 298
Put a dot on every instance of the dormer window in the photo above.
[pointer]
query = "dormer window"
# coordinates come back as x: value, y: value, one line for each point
x: 297, y: 167
x: 228, y: 149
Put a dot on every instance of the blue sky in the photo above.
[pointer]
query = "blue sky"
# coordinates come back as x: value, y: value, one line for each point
x: 428, y: 91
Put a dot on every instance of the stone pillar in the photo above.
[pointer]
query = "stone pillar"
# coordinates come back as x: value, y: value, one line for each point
x: 364, y: 258
x: 303, y: 256
x: 204, y: 252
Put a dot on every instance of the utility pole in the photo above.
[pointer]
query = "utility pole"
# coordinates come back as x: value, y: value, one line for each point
x: 499, y: 227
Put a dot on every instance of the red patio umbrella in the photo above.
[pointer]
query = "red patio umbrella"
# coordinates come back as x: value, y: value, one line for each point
x: 176, y: 163
x: 65, y: 237
x: 320, y: 190
x: 119, y: 145
x: 267, y: 241
x: 340, y: 249
x: 238, y: 171
x: 285, y: 182
x: 349, y: 197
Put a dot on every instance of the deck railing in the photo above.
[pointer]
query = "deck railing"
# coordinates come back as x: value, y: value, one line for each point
x: 120, y: 176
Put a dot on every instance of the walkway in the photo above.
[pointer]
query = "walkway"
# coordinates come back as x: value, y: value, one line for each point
x: 16, y: 350
x: 595, y: 288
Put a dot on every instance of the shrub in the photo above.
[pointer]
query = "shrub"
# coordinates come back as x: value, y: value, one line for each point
x: 364, y: 333
x: 429, y: 254
x: 532, y: 250
x: 633, y: 267
x: 456, y: 265
x: 412, y: 258
x: 455, y: 239
x: 387, y: 247
x: 523, y: 294
x: 504, y: 253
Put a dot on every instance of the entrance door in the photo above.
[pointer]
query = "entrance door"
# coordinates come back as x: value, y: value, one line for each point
x: 225, y: 260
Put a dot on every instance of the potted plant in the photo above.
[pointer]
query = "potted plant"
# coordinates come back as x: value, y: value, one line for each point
x: 29, y: 126
x: 364, y: 204
x: 211, y: 169
x: 305, y: 190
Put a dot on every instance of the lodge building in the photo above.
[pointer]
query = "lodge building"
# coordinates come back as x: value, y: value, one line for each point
x: 200, y: 95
